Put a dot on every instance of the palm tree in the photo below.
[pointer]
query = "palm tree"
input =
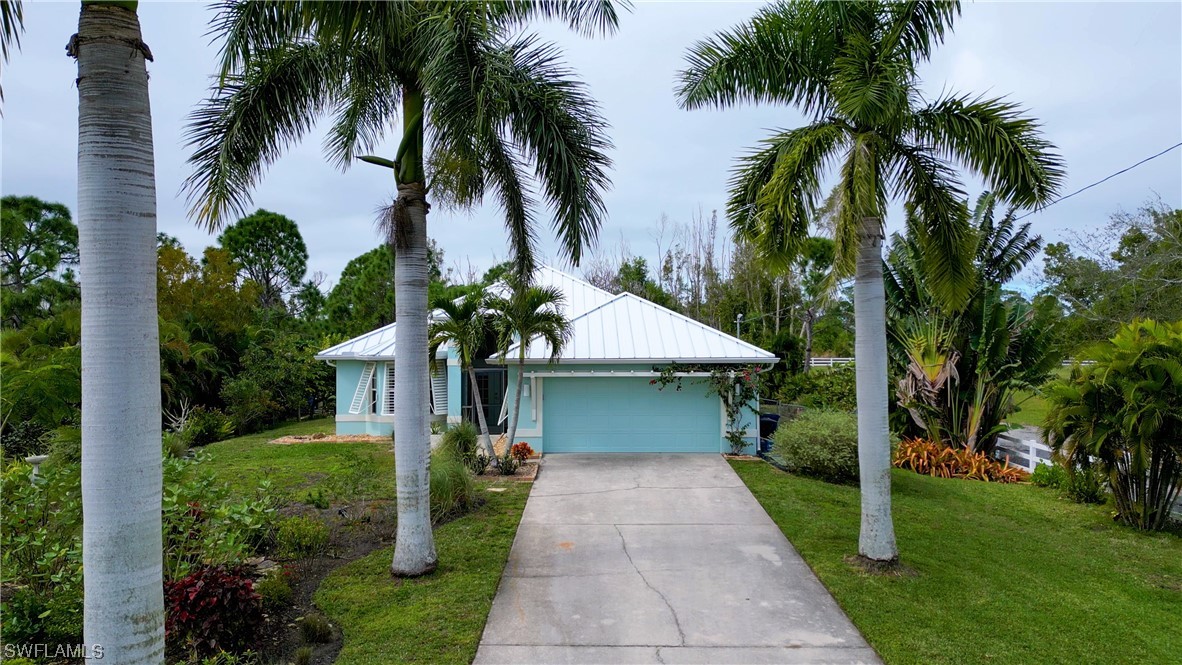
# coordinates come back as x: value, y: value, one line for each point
x: 852, y: 66
x: 121, y: 458
x: 529, y: 312
x: 478, y: 103
x: 464, y: 326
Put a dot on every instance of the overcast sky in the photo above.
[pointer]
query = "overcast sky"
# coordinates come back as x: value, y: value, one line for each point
x: 1105, y: 79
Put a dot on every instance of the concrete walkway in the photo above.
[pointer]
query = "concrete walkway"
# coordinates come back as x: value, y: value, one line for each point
x: 658, y: 559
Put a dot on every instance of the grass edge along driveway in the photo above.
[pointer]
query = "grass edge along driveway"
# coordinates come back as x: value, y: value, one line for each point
x: 440, y: 617
x: 1006, y: 573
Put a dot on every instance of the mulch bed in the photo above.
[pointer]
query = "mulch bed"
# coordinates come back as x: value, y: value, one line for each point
x: 321, y: 437
x: 525, y: 473
x: 357, y: 529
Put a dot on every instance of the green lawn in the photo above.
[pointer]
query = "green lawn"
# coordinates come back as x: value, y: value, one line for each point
x: 433, y: 619
x: 295, y: 469
x: 1006, y: 573
x: 1032, y: 409
x: 1032, y: 406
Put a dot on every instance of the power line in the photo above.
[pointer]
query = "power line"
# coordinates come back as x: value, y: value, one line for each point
x: 1124, y: 170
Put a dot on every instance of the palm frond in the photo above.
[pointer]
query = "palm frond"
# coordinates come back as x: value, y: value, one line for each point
x: 586, y: 17
x: 781, y: 56
x: 996, y: 139
x: 946, y: 239
x: 508, y: 103
x: 12, y: 24
x: 1003, y: 247
x: 247, y: 123
x: 775, y: 191
x: 860, y: 196
x: 367, y: 105
x: 246, y: 28
x: 915, y: 27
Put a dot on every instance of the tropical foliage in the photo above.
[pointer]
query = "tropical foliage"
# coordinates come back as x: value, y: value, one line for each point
x: 1124, y: 414
x: 464, y: 324
x: 852, y: 67
x: 933, y: 458
x: 478, y: 101
x: 525, y: 315
x: 960, y: 364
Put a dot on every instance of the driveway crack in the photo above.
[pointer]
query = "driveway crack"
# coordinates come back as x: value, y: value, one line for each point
x: 676, y: 620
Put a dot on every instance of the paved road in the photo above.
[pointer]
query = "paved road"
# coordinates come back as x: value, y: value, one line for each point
x: 658, y: 559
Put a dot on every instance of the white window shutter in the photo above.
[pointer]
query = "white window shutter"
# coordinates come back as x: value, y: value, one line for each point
x: 362, y: 388
x: 439, y: 390
x: 388, y: 402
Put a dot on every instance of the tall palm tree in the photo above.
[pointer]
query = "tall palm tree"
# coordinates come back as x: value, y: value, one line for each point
x: 465, y: 326
x: 852, y: 66
x: 527, y: 313
x: 121, y: 459
x: 477, y: 102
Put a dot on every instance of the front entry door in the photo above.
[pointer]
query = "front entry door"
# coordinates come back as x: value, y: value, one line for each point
x: 491, y: 382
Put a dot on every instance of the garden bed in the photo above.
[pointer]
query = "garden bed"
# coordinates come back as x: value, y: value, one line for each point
x: 321, y: 437
x: 526, y: 473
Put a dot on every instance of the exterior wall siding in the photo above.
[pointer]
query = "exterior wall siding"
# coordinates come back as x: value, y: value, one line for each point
x: 531, y: 424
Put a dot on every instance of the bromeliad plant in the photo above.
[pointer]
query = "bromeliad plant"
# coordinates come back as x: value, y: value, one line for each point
x: 936, y: 459
x: 1124, y: 414
x: 735, y: 384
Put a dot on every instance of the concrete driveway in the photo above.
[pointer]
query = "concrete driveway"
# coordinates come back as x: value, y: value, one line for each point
x: 658, y: 559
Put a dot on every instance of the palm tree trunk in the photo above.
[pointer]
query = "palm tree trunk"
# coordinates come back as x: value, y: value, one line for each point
x: 121, y: 459
x: 479, y: 409
x: 516, y: 411
x: 877, y: 538
x: 414, y: 547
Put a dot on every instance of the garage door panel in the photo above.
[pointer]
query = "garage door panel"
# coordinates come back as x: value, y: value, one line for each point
x: 609, y: 414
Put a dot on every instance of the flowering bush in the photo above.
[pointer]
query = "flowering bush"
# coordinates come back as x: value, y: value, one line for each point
x: 521, y: 451
x: 212, y: 609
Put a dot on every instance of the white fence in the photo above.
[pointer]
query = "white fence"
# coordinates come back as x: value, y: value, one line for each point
x: 830, y: 362
x: 1024, y: 449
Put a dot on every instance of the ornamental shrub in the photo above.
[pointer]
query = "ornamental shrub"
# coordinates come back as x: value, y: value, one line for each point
x: 461, y: 439
x: 41, y: 553
x: 821, y: 388
x: 521, y: 451
x: 206, y: 426
x: 452, y: 490
x: 211, y: 609
x: 940, y: 461
x: 275, y: 590
x: 1051, y: 476
x: 823, y: 444
x: 1124, y: 415
x: 301, y: 538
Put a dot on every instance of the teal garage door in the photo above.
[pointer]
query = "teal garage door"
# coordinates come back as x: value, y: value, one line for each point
x: 628, y: 415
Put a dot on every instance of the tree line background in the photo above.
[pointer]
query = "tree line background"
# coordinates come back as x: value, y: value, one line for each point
x: 240, y: 323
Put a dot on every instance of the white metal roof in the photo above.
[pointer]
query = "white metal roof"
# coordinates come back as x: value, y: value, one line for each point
x: 580, y: 297
x: 629, y: 329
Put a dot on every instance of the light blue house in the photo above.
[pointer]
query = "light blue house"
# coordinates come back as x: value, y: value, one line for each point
x: 598, y: 397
